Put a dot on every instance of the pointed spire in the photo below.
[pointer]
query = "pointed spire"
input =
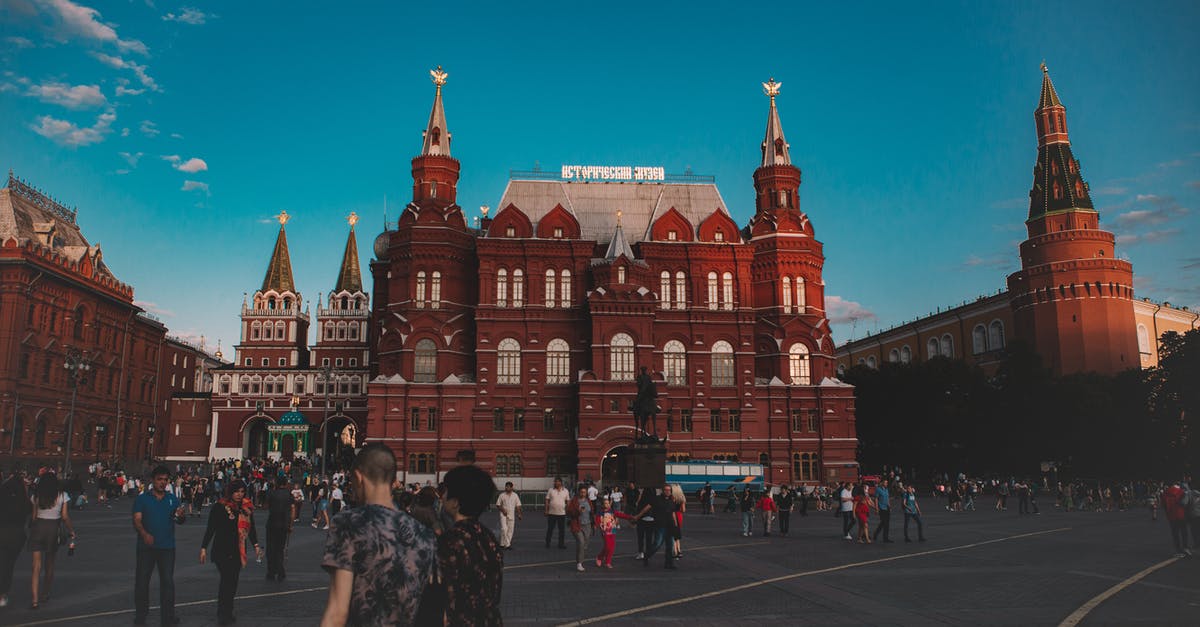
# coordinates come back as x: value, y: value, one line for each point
x: 1049, y: 96
x: 619, y: 245
x: 279, y: 271
x: 774, y: 146
x: 349, y: 277
x: 437, y: 138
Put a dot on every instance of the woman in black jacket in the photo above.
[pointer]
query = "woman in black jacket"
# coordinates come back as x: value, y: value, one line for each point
x: 230, y: 524
x: 14, y: 515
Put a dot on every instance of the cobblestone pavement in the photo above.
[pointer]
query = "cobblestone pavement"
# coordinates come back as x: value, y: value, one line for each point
x: 978, y: 568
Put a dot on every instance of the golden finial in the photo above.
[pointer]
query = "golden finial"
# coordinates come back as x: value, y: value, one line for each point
x: 771, y: 88
x: 1044, y: 70
x: 295, y: 402
x: 283, y: 218
x: 619, y: 212
x: 484, y: 209
x: 352, y: 219
x: 439, y: 77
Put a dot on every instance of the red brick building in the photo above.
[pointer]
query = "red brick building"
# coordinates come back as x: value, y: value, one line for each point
x: 185, y: 379
x: 521, y: 339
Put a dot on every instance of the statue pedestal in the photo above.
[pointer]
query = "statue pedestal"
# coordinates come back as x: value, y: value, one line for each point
x: 648, y: 463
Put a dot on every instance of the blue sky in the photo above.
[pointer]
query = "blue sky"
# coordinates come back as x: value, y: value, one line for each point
x: 179, y: 129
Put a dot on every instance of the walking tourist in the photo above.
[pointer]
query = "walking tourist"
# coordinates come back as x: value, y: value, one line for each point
x: 470, y: 563
x: 579, y: 514
x: 646, y: 524
x: 745, y: 504
x: 912, y: 511
x: 556, y: 512
x: 509, y: 504
x: 50, y: 503
x: 883, y: 506
x: 280, y: 506
x: 784, y: 501
x: 766, y: 510
x: 379, y: 559
x: 1174, y: 510
x: 845, y: 496
x: 661, y: 508
x: 15, y: 509
x: 230, y: 524
x: 155, y: 514
x: 606, y: 525
x: 680, y: 507
x: 862, y: 514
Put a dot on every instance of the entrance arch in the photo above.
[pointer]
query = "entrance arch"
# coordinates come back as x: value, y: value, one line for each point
x: 614, y: 467
x: 288, y: 446
x: 339, y: 454
x: 256, y: 438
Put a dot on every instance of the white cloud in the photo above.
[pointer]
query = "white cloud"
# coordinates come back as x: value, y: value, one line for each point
x: 154, y: 308
x: 76, y: 20
x: 18, y: 42
x: 125, y: 132
x: 131, y: 157
x: 123, y: 89
x: 194, y: 185
x: 188, y: 15
x: 191, y: 166
x: 176, y: 136
x: 69, y: 96
x: 1109, y: 191
x: 839, y: 310
x: 148, y: 128
x: 138, y: 69
x: 1163, y: 209
x: 67, y: 133
x: 995, y: 261
x: 1149, y: 237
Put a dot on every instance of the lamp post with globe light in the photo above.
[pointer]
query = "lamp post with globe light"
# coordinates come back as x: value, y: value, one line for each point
x: 77, y: 364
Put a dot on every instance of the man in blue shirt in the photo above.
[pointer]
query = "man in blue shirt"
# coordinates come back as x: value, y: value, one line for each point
x: 882, y: 503
x: 155, y: 513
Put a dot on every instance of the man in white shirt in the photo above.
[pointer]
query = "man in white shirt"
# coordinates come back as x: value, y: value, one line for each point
x: 556, y: 512
x: 592, y: 494
x: 509, y: 505
x: 335, y: 498
x: 846, y: 496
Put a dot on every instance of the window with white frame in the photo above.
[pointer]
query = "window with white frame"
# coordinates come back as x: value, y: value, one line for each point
x: 352, y: 331
x: 664, y: 290
x: 680, y: 290
x: 978, y: 340
x: 787, y: 294
x: 280, y: 328
x: 722, y: 363
x: 932, y: 348
x: 905, y: 354
x: 551, y: 289
x: 502, y: 288
x: 712, y: 290
x: 508, y: 362
x: 801, y: 297
x: 420, y: 298
x: 894, y: 356
x: 947, y: 346
x: 620, y: 274
x: 341, y: 330
x: 675, y: 362
x: 798, y: 364
x: 621, y: 357
x: 564, y: 287
x: 871, y: 362
x: 435, y: 290
x: 558, y: 362
x: 425, y: 362
x: 727, y: 290
x: 518, y: 288
x: 1143, y: 337
x: 255, y: 330
x: 996, y: 335
x: 329, y: 330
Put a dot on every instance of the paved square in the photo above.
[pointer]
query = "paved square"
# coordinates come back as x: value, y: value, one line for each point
x: 978, y: 568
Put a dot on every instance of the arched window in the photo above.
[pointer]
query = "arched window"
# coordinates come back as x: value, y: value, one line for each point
x: 502, y: 288
x: 934, y: 349
x: 996, y: 335
x: 558, y: 362
x: 352, y: 331
x: 329, y: 330
x: 675, y: 362
x: 664, y: 290
x: 978, y: 340
x: 680, y: 290
x: 77, y: 324
x: 1143, y: 335
x: 420, y: 298
x: 804, y: 466
x: 518, y: 288
x: 425, y: 362
x: 564, y: 287
x: 801, y: 297
x: 798, y: 364
x: 551, y: 289
x: 255, y: 330
x: 39, y: 433
x: 435, y: 290
x: 872, y: 363
x: 722, y: 363
x: 905, y: 355
x: 279, y: 330
x: 947, y: 346
x: 341, y: 330
x: 621, y: 358
x: 727, y: 290
x: 298, y: 386
x: 344, y: 302
x: 712, y: 290
x: 894, y: 356
x: 787, y: 294
x: 508, y: 362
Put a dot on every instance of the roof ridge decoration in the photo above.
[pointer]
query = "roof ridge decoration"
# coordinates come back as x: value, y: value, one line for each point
x: 436, y: 129
x: 39, y: 198
x: 279, y: 271
x: 774, y: 146
x: 349, y: 275
x: 1049, y: 96
x: 618, y: 245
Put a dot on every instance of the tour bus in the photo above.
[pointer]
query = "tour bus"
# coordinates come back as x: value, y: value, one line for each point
x: 692, y: 475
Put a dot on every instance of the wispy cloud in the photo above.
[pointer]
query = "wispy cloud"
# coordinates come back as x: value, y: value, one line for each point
x: 1162, y: 209
x: 189, y: 15
x: 18, y: 42
x: 69, y: 96
x: 138, y: 69
x: 994, y: 261
x: 154, y: 309
x: 1109, y: 191
x: 123, y: 89
x: 1010, y: 203
x: 1174, y: 163
x: 176, y: 136
x: 1193, y: 184
x: 191, y: 166
x: 1149, y: 237
x: 189, y: 186
x: 148, y: 128
x: 131, y: 158
x: 840, y: 310
x: 67, y: 133
x: 1192, y: 263
x: 80, y: 22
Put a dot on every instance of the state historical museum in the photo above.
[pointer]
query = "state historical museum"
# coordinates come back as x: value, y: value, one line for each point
x: 521, y: 338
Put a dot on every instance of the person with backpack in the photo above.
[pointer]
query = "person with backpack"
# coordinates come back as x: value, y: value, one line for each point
x: 1175, y: 511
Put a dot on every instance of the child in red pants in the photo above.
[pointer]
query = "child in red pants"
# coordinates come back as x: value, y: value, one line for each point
x: 606, y: 523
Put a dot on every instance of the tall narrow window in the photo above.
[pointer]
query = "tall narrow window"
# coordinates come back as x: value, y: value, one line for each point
x: 621, y: 274
x: 675, y: 362
x: 564, y: 287
x: 787, y: 295
x: 978, y: 340
x: 502, y: 288
x: 518, y: 288
x: 420, y: 298
x: 798, y: 364
x: 255, y: 330
x: 685, y: 420
x: 664, y: 289
x: 414, y: 419
x: 722, y: 364
x: 621, y: 357
x: 551, y: 289
x: 712, y: 290
x: 947, y: 346
x: 425, y: 362
x: 933, y: 349
x: 548, y: 420
x: 431, y: 415
x: 735, y: 420
x: 518, y: 420
x: 714, y: 420
x: 498, y: 419
x: 279, y: 330
x: 680, y: 290
x: 905, y: 354
x: 996, y: 335
x: 727, y: 290
x: 801, y: 298
x: 435, y: 290
x: 558, y: 362
x: 508, y: 362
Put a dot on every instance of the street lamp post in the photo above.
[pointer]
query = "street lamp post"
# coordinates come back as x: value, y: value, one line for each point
x: 77, y: 365
x: 101, y: 432
x: 150, y: 450
x: 327, y: 373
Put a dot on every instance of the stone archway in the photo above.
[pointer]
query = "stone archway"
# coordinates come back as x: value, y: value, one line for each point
x: 339, y: 450
x: 256, y: 438
x: 614, y: 467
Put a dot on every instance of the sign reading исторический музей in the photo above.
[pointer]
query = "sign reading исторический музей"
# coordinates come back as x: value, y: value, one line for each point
x: 613, y: 173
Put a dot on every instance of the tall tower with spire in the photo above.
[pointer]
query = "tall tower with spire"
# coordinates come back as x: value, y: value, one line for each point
x: 274, y: 325
x: 342, y: 325
x: 789, y: 293
x: 1072, y: 298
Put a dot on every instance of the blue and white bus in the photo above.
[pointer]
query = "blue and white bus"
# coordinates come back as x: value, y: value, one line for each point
x: 692, y: 475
